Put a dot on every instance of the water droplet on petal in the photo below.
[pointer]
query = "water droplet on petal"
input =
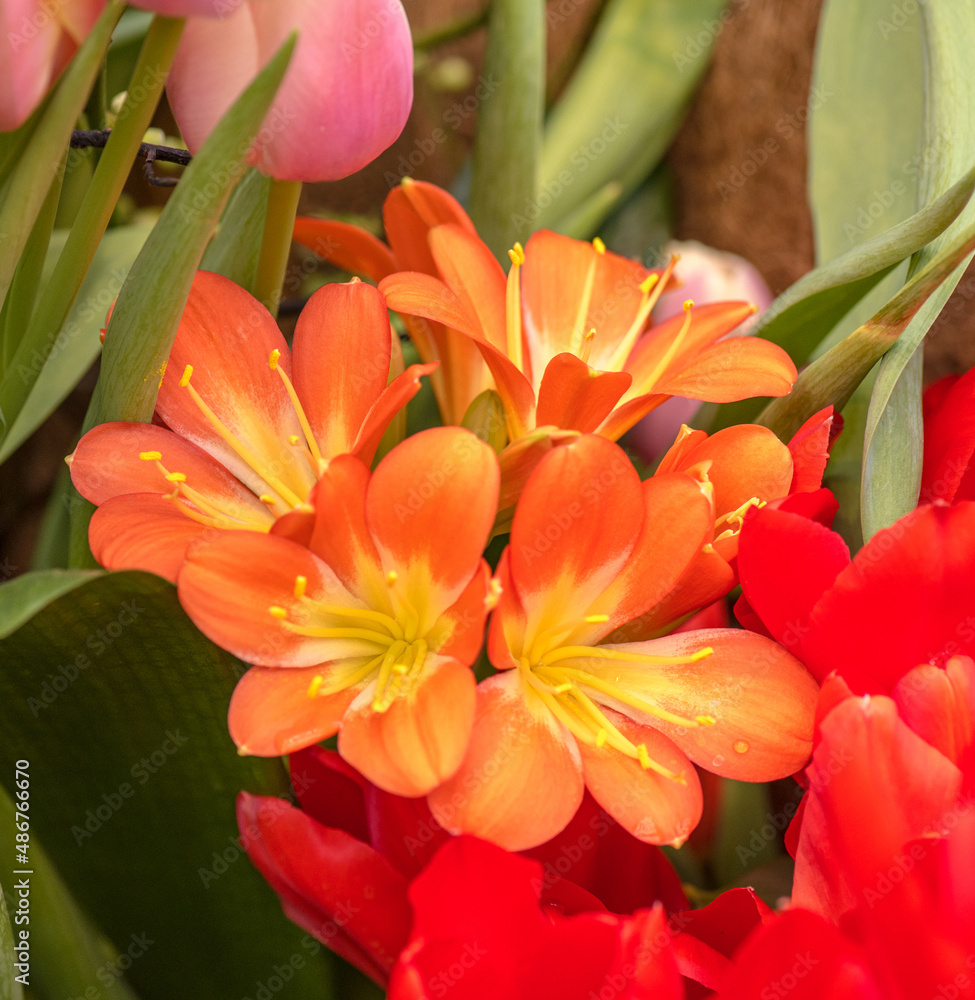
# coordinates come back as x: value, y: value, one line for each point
x: 718, y: 761
x: 740, y: 746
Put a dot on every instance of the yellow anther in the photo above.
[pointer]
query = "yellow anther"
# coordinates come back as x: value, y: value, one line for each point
x: 294, y: 439
x: 301, y: 582
x: 187, y: 375
x: 596, y: 619
x: 316, y: 683
x: 400, y: 668
x: 648, y: 283
x: 701, y: 654
x: 267, y: 498
x: 391, y: 577
x: 688, y: 305
x: 150, y: 456
x: 276, y: 611
x: 644, y: 757
x: 176, y: 477
x: 493, y: 595
x: 599, y: 246
x: 705, y: 720
x: 564, y: 688
x: 517, y: 255
x: 272, y: 361
x: 601, y: 738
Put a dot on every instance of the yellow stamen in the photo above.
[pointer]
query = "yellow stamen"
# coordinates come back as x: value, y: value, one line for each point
x: 651, y: 293
x: 150, y: 456
x: 587, y: 347
x: 599, y: 246
x: 316, y: 683
x: 272, y: 361
x: 268, y: 499
x: 495, y: 590
x: 517, y: 255
x: 596, y: 619
x: 579, y: 327
x: 301, y: 582
x: 513, y: 308
x: 299, y: 411
x: 187, y: 375
x: 647, y: 383
x: 276, y: 611
x: 351, y: 677
x: 579, y: 652
x: 176, y: 477
x: 363, y: 614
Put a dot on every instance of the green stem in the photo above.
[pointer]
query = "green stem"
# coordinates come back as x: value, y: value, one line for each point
x: 282, y: 207
x: 145, y: 89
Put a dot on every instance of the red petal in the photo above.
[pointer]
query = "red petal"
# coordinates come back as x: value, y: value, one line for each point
x: 576, y: 397
x: 332, y: 885
x: 346, y: 246
x: 810, y: 451
x: 143, y: 531
x: 938, y: 703
x: 403, y: 830
x: 341, y: 321
x: 271, y: 714
x: 521, y: 780
x: 420, y: 740
x: 949, y: 439
x: 786, y: 563
x: 330, y: 790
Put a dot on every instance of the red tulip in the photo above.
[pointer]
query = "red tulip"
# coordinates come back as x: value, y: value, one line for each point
x: 949, y: 439
x: 345, y: 97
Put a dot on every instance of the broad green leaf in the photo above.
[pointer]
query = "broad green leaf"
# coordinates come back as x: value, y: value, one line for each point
x: 893, y: 441
x: 68, y: 956
x: 40, y: 159
x: 624, y: 103
x: 120, y: 705
x: 509, y: 122
x: 235, y: 247
x: 77, y: 345
x: 10, y: 987
x: 93, y: 215
x: 25, y: 596
x: 832, y: 378
x: 806, y: 311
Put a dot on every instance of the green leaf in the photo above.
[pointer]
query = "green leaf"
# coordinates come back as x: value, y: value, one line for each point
x: 509, y: 124
x: 806, y: 311
x: 120, y: 706
x: 41, y: 158
x: 624, y: 103
x: 893, y: 440
x: 77, y: 345
x: 10, y: 989
x: 25, y: 596
x: 832, y: 378
x: 67, y: 953
x: 236, y: 246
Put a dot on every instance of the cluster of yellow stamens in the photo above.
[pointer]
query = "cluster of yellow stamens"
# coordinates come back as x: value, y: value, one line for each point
x: 399, y: 651
x: 735, y: 519
x: 573, y: 694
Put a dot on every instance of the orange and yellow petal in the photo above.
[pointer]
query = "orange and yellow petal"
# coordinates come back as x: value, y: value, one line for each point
x: 655, y: 808
x: 346, y: 246
x: 521, y: 779
x: 271, y: 713
x: 410, y: 211
x: 341, y: 321
x: 763, y: 700
x: 142, y: 531
x: 420, y: 740
x: 430, y: 506
x: 574, y: 396
x: 459, y: 631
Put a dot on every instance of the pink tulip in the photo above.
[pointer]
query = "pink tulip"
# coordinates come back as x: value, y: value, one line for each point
x: 344, y: 99
x: 189, y: 8
x: 37, y: 40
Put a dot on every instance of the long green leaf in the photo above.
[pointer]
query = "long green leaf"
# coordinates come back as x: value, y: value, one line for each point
x: 624, y: 102
x: 67, y: 953
x: 234, y: 250
x: 832, y: 378
x: 509, y: 125
x: 77, y: 345
x: 40, y: 161
x: 806, y: 311
x: 894, y: 433
x: 119, y: 704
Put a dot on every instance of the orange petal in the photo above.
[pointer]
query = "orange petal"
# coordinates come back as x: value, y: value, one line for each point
x: 389, y: 402
x: 271, y: 714
x: 737, y: 368
x: 229, y: 585
x: 746, y: 461
x: 521, y: 780
x: 106, y: 464
x: 340, y: 536
x: 576, y: 524
x: 654, y: 808
x: 410, y: 212
x: 459, y: 631
x: 629, y: 413
x: 341, y: 321
x: 576, y: 397
x: 685, y: 441
x: 475, y: 276
x: 142, y: 531
x: 419, y: 742
x: 346, y: 246
x: 227, y: 336
x: 810, y: 451
x: 553, y: 279
x: 508, y: 622
x: 762, y: 698
x: 518, y: 461
x: 430, y: 507
x: 676, y: 525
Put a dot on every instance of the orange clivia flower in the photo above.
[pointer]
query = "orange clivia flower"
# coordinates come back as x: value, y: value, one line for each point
x: 370, y: 629
x: 410, y: 211
x: 245, y: 426
x: 591, y: 549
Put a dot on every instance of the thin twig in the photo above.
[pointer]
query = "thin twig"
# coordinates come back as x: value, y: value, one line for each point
x: 151, y: 152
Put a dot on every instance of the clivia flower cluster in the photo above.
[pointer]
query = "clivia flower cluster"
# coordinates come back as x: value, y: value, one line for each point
x: 492, y: 628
